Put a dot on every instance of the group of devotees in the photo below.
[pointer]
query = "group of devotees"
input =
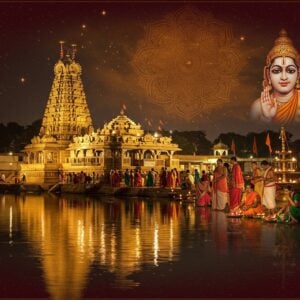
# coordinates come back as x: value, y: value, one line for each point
x: 227, y: 192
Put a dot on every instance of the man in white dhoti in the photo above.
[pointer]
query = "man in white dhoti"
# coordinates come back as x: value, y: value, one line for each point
x: 269, y: 189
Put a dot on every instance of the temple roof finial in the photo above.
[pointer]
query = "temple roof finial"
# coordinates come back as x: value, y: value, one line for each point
x: 61, y: 49
x: 74, y: 50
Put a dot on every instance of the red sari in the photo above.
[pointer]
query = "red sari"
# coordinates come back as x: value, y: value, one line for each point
x: 203, y: 197
x: 236, y: 186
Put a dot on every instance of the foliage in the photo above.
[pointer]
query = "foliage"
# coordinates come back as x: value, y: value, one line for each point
x: 15, y: 137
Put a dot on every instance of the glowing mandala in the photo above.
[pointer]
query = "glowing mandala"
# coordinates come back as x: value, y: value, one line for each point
x: 188, y: 63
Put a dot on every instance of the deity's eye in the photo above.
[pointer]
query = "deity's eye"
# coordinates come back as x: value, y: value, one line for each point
x: 276, y: 70
x: 291, y: 70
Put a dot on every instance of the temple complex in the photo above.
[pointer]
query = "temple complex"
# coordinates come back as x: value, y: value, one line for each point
x: 68, y: 143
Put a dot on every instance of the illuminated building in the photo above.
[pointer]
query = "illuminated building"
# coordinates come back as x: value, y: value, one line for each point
x: 120, y: 144
x: 285, y: 165
x: 67, y: 141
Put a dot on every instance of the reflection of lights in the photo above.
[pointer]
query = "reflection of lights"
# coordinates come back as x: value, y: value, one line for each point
x: 10, y: 153
x: 80, y: 237
x: 10, y: 221
x: 137, y: 243
x: 43, y: 225
x: 113, y: 246
x: 102, y: 245
x: 171, y: 240
x: 155, y: 245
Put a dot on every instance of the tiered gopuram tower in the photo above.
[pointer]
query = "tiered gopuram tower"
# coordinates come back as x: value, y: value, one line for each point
x: 66, y: 115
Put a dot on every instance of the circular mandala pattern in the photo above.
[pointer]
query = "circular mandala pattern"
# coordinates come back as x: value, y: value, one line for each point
x: 188, y: 63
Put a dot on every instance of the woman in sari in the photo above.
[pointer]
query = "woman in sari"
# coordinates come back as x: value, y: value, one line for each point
x: 251, y: 203
x: 290, y: 213
x: 202, y: 193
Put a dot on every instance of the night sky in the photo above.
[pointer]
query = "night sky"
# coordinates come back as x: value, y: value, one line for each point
x: 141, y: 55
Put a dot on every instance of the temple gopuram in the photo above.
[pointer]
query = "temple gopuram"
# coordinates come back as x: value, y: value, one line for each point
x: 66, y: 115
x: 68, y: 143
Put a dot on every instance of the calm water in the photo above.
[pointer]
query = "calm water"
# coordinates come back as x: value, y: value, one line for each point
x: 72, y: 247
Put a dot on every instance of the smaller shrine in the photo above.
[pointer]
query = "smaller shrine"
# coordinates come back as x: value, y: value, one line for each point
x: 285, y: 164
x: 220, y: 149
x: 121, y: 144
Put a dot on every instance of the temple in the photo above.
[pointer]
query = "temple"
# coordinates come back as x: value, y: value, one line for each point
x: 66, y: 115
x: 68, y: 143
x: 121, y: 144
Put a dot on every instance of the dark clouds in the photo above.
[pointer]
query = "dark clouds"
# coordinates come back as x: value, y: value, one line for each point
x: 29, y: 48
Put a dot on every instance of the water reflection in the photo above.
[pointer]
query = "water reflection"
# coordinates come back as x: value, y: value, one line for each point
x: 75, y: 240
x: 72, y: 233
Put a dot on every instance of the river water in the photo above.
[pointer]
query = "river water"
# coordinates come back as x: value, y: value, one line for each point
x: 72, y: 247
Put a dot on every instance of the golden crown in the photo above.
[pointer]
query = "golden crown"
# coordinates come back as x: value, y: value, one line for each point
x: 283, y: 46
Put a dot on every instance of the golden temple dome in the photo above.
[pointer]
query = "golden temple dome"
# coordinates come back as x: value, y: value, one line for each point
x: 220, y: 146
x: 122, y: 125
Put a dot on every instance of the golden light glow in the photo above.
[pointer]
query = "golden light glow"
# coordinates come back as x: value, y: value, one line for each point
x: 188, y: 63
x: 69, y: 236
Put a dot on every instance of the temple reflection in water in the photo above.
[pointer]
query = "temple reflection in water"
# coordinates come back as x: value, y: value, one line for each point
x: 71, y: 235
x: 75, y: 246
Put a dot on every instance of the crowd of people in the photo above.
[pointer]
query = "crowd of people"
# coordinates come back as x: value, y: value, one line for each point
x: 256, y: 197
x: 224, y: 189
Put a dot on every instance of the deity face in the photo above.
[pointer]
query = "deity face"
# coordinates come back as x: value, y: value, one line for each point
x: 283, y: 74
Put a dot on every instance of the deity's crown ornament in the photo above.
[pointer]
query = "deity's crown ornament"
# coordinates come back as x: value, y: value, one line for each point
x: 283, y: 47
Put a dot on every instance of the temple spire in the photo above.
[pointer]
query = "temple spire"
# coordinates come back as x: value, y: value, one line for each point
x: 67, y: 113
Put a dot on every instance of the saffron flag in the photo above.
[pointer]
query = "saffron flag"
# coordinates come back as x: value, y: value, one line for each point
x: 233, y: 146
x: 254, y: 148
x: 268, y: 143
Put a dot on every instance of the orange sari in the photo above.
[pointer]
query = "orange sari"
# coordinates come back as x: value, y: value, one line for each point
x: 286, y: 113
x: 249, y: 200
